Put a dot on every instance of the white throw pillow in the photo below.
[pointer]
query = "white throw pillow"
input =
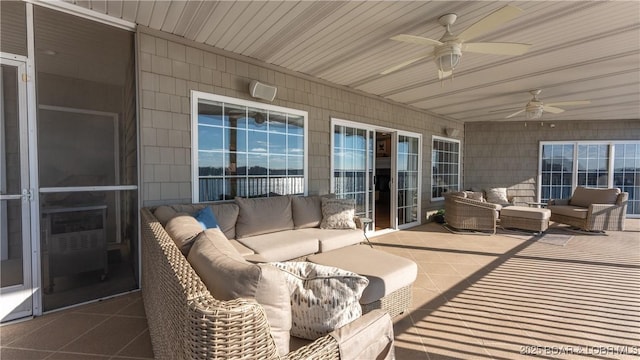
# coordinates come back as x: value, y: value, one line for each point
x: 497, y: 196
x: 338, y: 214
x: 323, y: 298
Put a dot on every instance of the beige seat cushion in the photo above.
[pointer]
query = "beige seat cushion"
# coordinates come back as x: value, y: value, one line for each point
x: 568, y: 210
x: 334, y: 239
x: 242, y: 250
x: 282, y: 245
x: 306, y: 211
x: 228, y: 276
x: 386, y: 272
x: 323, y: 298
x: 584, y: 197
x: 183, y: 229
x: 525, y: 212
x: 263, y: 216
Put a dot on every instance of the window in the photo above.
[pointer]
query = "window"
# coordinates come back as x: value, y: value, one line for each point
x: 557, y: 171
x: 445, y: 166
x: 247, y: 149
x: 602, y: 164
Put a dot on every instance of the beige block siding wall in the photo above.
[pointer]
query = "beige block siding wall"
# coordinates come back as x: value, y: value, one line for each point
x: 505, y: 154
x: 170, y: 67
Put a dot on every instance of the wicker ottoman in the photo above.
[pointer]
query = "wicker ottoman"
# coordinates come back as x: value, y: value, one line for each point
x: 526, y: 218
x: 390, y: 276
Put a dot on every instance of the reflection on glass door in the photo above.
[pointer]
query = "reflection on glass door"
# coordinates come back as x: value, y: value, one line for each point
x: 15, y: 202
x: 352, y: 166
x: 408, y: 179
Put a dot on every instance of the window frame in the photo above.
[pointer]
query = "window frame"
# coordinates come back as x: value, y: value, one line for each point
x: 435, y: 138
x: 611, y: 153
x: 196, y: 96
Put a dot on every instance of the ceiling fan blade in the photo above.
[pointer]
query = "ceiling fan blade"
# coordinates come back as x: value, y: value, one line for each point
x: 444, y: 74
x: 412, y: 39
x: 490, y: 22
x: 570, y: 103
x: 496, y: 48
x: 403, y: 64
x: 514, y: 114
x: 553, y: 110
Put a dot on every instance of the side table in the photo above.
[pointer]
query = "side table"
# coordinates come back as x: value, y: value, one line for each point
x: 365, y: 225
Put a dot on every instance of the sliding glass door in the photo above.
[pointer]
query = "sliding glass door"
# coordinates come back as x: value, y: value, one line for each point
x: 408, y: 171
x: 352, y: 166
x: 357, y: 151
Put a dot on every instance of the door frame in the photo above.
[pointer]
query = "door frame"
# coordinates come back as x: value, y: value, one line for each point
x: 340, y: 122
x: 395, y: 133
x: 394, y: 146
x: 17, y: 294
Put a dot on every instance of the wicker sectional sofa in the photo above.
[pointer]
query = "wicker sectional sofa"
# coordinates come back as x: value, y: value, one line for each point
x: 186, y: 320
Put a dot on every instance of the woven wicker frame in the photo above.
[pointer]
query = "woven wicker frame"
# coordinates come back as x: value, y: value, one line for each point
x: 469, y: 214
x: 395, y: 303
x: 600, y: 217
x: 186, y: 322
x: 537, y: 225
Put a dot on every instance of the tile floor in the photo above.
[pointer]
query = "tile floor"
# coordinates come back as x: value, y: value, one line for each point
x: 476, y: 297
x: 110, y: 329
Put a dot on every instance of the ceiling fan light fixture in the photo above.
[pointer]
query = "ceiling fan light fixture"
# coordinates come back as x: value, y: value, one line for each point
x: 534, y: 110
x: 447, y: 56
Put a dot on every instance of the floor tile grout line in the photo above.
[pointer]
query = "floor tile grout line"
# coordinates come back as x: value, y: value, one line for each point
x: 83, y: 334
x: 32, y: 330
x: 131, y: 341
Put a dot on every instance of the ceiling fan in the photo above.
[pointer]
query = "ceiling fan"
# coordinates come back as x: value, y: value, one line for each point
x: 535, y: 107
x: 448, y: 50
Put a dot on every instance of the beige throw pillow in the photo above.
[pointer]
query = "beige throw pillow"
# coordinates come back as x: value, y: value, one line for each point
x: 338, y: 214
x: 323, y: 298
x: 183, y: 229
x: 497, y: 196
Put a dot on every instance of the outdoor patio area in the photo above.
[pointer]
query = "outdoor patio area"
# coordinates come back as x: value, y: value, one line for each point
x: 476, y: 296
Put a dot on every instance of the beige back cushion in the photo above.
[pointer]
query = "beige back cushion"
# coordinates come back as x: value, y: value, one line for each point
x: 462, y: 194
x: 226, y: 214
x: 183, y: 229
x: 306, y: 211
x: 228, y: 276
x: 164, y: 213
x: 263, y: 215
x: 584, y: 197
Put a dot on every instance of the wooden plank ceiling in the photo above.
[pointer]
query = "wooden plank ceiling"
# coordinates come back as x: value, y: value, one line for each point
x: 581, y: 49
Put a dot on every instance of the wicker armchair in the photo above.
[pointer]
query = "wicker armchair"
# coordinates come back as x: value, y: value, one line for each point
x: 464, y: 213
x: 591, y: 209
x: 186, y: 322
